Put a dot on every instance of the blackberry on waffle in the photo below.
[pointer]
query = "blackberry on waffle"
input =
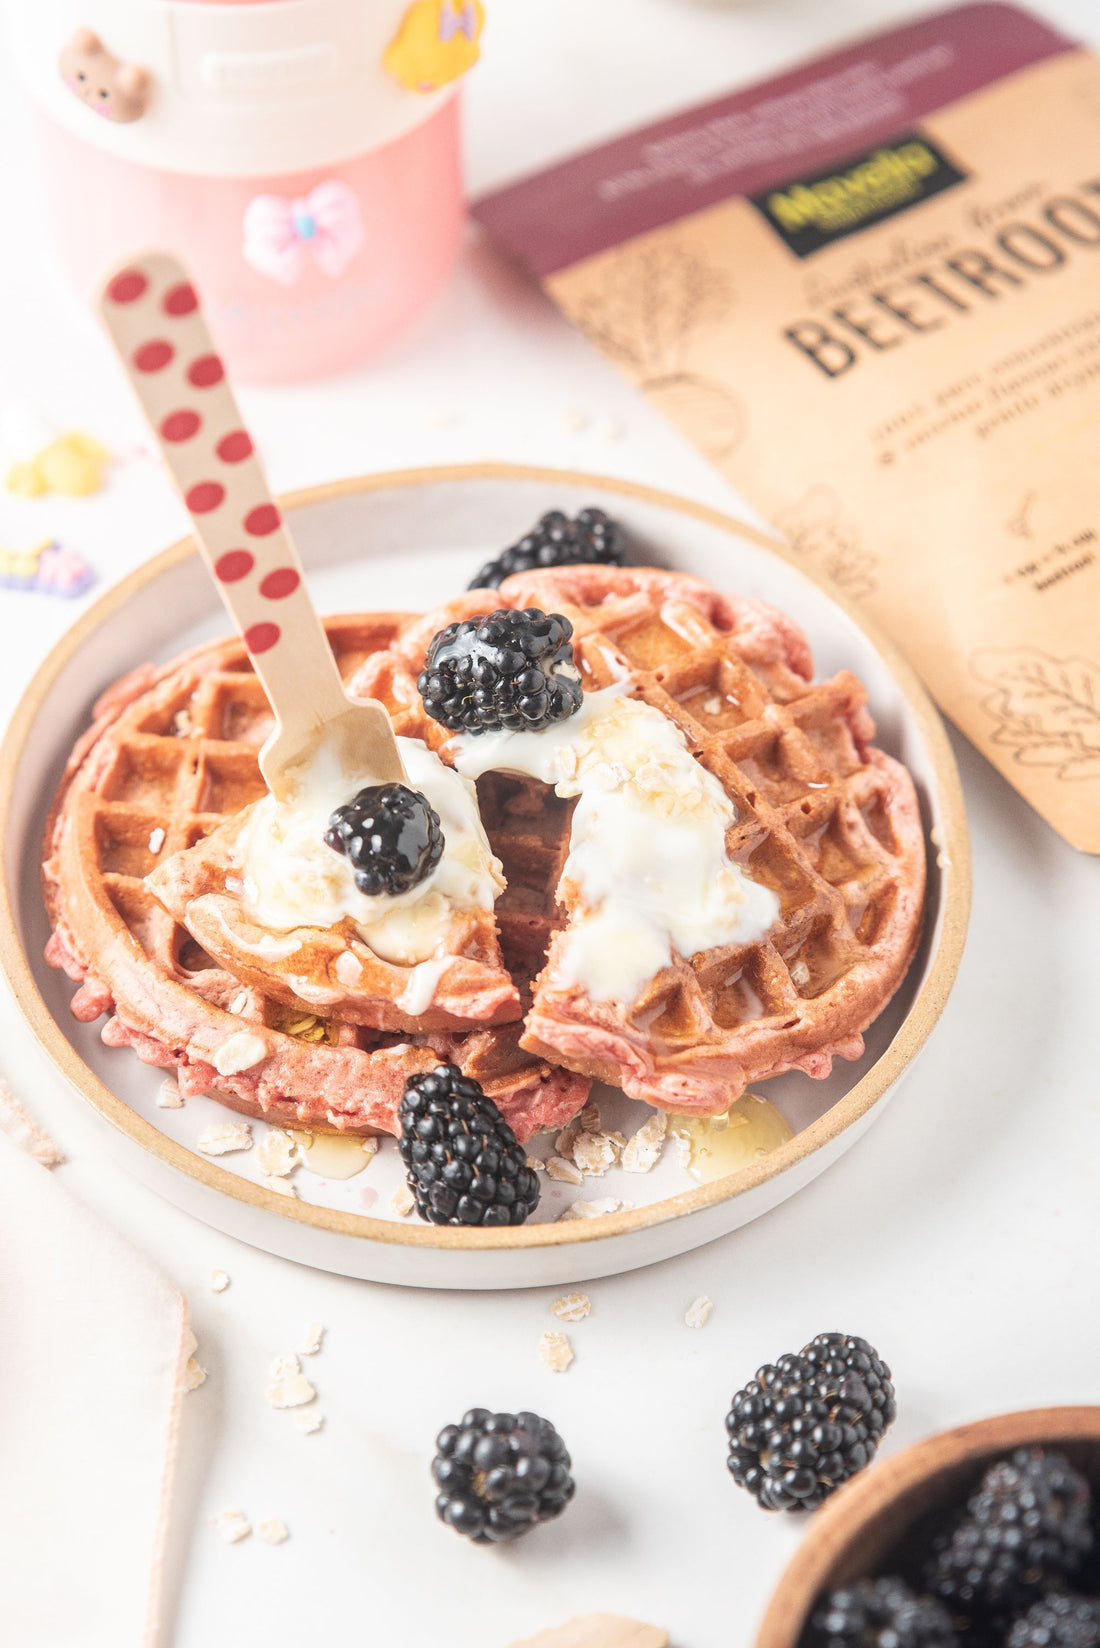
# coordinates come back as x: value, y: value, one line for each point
x: 555, y: 540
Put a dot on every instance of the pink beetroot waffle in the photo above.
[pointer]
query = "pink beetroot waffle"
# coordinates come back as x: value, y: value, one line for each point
x: 823, y: 818
x: 170, y: 757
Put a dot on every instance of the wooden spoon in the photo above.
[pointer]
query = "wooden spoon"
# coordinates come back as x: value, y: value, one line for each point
x: 153, y: 315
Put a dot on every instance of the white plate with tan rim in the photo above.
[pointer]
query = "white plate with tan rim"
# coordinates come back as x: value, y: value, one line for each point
x: 412, y: 540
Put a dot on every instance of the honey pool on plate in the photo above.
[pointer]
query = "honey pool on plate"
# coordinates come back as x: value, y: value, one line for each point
x: 717, y: 1145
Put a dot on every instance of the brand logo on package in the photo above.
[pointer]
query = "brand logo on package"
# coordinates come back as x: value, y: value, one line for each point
x: 811, y: 212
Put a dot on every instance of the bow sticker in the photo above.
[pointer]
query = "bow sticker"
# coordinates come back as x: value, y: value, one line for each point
x: 452, y: 21
x: 282, y: 237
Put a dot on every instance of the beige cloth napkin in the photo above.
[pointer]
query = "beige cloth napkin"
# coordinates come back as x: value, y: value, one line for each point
x: 93, y: 1344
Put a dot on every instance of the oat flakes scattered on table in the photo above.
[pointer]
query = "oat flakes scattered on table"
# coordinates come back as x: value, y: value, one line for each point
x: 572, y: 1307
x: 698, y: 1312
x: 288, y: 1386
x: 232, y: 1526
x: 555, y: 1352
x: 311, y: 1340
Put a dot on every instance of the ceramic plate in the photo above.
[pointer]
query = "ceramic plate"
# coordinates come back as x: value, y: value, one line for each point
x: 409, y: 541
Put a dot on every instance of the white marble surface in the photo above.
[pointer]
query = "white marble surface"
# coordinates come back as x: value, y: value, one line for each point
x: 960, y: 1235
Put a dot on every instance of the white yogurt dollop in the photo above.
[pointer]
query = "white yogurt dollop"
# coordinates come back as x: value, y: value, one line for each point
x: 290, y: 878
x: 647, y: 850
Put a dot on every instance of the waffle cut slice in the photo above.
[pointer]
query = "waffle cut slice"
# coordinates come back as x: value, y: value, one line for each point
x: 821, y: 818
x: 454, y: 978
x: 171, y: 758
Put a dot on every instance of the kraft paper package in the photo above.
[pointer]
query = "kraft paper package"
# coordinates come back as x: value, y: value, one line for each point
x: 869, y: 290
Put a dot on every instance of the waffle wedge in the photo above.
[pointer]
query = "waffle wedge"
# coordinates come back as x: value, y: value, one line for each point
x: 824, y: 819
x: 171, y: 757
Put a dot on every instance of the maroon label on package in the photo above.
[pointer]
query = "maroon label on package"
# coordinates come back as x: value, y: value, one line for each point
x: 750, y: 142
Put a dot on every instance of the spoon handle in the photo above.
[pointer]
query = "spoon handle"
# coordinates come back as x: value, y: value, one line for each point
x: 153, y: 315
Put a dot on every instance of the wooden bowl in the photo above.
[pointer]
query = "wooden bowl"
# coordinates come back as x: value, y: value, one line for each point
x: 869, y: 1517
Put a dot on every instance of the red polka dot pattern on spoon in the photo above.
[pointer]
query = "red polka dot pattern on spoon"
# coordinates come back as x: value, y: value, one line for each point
x: 277, y: 585
x: 205, y: 371
x: 262, y: 520
x: 204, y: 496
x: 234, y: 565
x: 261, y: 637
x: 154, y: 355
x: 235, y: 446
x: 128, y: 286
x: 181, y: 299
x: 180, y: 426
x: 155, y: 316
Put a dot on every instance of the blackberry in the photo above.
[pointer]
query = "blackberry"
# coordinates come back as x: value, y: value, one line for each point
x: 880, y: 1613
x: 1027, y: 1526
x: 463, y: 1163
x: 499, y: 1474
x: 391, y: 836
x: 553, y: 541
x: 1058, y: 1622
x: 510, y: 671
x: 801, y: 1428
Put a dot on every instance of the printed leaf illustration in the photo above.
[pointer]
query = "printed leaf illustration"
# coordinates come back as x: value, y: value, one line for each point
x: 815, y: 526
x: 707, y: 412
x: 1048, y: 708
x: 650, y: 303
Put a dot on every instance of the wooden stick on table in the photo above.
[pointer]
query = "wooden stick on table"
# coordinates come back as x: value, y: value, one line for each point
x: 599, y: 1631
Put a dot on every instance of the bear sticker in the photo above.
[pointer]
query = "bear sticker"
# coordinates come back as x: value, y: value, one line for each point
x: 115, y: 90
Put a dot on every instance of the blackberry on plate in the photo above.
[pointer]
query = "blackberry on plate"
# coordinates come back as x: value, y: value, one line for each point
x: 463, y: 1162
x: 1058, y: 1621
x: 808, y: 1423
x: 1026, y: 1527
x: 511, y: 671
x: 391, y: 837
x: 880, y: 1613
x: 555, y: 540
x: 499, y: 1474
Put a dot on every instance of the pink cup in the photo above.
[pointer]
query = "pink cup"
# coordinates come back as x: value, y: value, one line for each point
x: 317, y: 199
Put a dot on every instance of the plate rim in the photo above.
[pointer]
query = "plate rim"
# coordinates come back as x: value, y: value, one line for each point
x: 847, y: 1113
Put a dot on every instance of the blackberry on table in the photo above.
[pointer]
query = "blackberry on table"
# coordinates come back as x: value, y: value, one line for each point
x: 555, y: 540
x: 462, y: 1159
x: 1058, y: 1621
x: 808, y: 1423
x: 511, y: 671
x: 390, y: 835
x: 499, y: 1474
x: 880, y: 1613
x: 1026, y: 1527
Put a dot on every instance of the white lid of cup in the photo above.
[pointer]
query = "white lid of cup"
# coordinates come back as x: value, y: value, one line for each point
x: 237, y: 89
